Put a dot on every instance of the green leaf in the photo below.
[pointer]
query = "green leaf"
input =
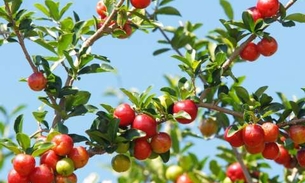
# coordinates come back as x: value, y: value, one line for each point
x: 60, y: 127
x: 53, y: 9
x: 160, y: 51
x: 44, y: 147
x: 165, y: 156
x: 164, y: 2
x: 131, y: 96
x: 168, y: 10
x: 289, y: 23
x: 78, y: 138
x: 10, y: 145
x: 96, y: 68
x: 43, y: 9
x: 63, y: 43
x: 174, y: 133
x: 132, y: 134
x: 248, y: 21
x: 17, y: 110
x: 64, y: 9
x: 40, y: 115
x: 18, y: 124
x: 297, y: 17
x: 227, y: 8
x: 15, y: 6
x: 23, y: 140
x: 260, y: 91
x: 242, y: 94
x: 169, y: 91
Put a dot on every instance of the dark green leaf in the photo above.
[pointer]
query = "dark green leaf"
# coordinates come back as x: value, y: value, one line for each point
x: 96, y: 68
x: 39, y: 150
x: 132, y: 134
x: 297, y: 17
x: 165, y: 156
x: 78, y: 138
x: 289, y: 23
x: 131, y: 96
x: 40, y: 115
x: 18, y: 124
x: 242, y: 94
x: 168, y: 10
x: 227, y: 8
x: 160, y: 51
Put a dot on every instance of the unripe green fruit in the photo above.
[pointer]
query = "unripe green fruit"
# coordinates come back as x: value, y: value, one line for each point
x: 173, y: 172
x: 65, y: 167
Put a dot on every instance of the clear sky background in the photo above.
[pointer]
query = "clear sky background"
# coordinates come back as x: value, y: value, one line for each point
x: 137, y: 68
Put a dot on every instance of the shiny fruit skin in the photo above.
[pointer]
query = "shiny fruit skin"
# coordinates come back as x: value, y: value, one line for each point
x: 65, y: 167
x: 284, y: 156
x: 37, y: 81
x: 250, y: 52
x: 235, y: 172
x: 24, y: 164
x: 187, y: 106
x: 42, y: 174
x: 271, y: 131
x: 271, y: 151
x: 301, y: 157
x: 66, y: 179
x: 50, y: 158
x: 140, y: 4
x: 142, y: 149
x: 127, y: 29
x: 120, y: 163
x: 161, y: 142
x: 267, y: 46
x: 297, y: 134
x: 173, y: 172
x: 236, y: 139
x: 101, y: 9
x: 253, y: 135
x: 255, y: 13
x: 14, y: 177
x: 268, y: 8
x: 255, y: 149
x: 125, y: 113
x: 146, y: 124
x: 80, y: 156
x: 63, y: 144
x: 184, y: 178
x: 208, y: 127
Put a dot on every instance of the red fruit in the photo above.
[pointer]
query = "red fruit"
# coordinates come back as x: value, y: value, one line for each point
x: 101, y: 9
x: 63, y: 144
x: 297, y: 134
x: 284, y: 156
x: 24, y: 164
x: 271, y: 151
x: 140, y: 4
x: 255, y: 13
x: 146, y: 124
x: 267, y: 46
x: 253, y: 135
x: 236, y: 139
x: 255, y: 149
x: 301, y: 157
x: 127, y: 29
x: 235, y: 172
x: 141, y: 149
x: 79, y: 155
x: 42, y: 174
x: 250, y: 52
x: 50, y: 158
x: 125, y: 113
x: 268, y: 8
x: 161, y: 143
x: 187, y: 106
x: 184, y: 178
x: 271, y: 131
x: 66, y: 179
x: 14, y: 177
x: 37, y: 81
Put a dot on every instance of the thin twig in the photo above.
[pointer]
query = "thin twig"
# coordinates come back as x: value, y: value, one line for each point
x: 242, y: 164
x: 220, y: 109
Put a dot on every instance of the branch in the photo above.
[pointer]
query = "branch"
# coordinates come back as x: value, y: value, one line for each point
x: 220, y: 109
x: 242, y: 164
x: 292, y: 122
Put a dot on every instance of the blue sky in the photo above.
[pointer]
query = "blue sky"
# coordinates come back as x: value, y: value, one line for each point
x: 137, y: 68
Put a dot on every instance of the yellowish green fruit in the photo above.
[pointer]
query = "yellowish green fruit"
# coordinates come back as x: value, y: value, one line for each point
x: 65, y: 167
x: 173, y: 172
x: 120, y: 163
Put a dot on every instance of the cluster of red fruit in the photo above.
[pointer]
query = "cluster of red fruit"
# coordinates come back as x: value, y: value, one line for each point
x: 267, y: 46
x: 37, y: 81
x: 56, y: 165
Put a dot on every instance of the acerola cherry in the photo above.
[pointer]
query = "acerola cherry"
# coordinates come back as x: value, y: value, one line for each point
x: 301, y: 157
x: 173, y: 172
x: 66, y: 179
x: 284, y: 156
x: 65, y: 167
x: 268, y: 8
x: 24, y: 164
x: 235, y: 139
x: 79, y: 155
x: 101, y: 9
x: 187, y: 106
x: 208, y: 127
x: 141, y: 149
x: 14, y: 177
x: 235, y: 172
x: 50, y: 158
x: 120, y: 163
x: 127, y: 29
x: 146, y: 124
x: 37, y: 81
x: 184, y: 178
x: 63, y: 144
x: 267, y: 46
x: 125, y: 113
x: 161, y: 142
x: 140, y: 4
x: 271, y: 151
x: 255, y: 149
x: 42, y: 174
x: 255, y: 13
x: 271, y: 131
x: 253, y: 135
x: 297, y: 134
x: 250, y: 52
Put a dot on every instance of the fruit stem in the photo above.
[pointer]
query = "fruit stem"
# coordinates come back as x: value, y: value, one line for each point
x: 20, y: 37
